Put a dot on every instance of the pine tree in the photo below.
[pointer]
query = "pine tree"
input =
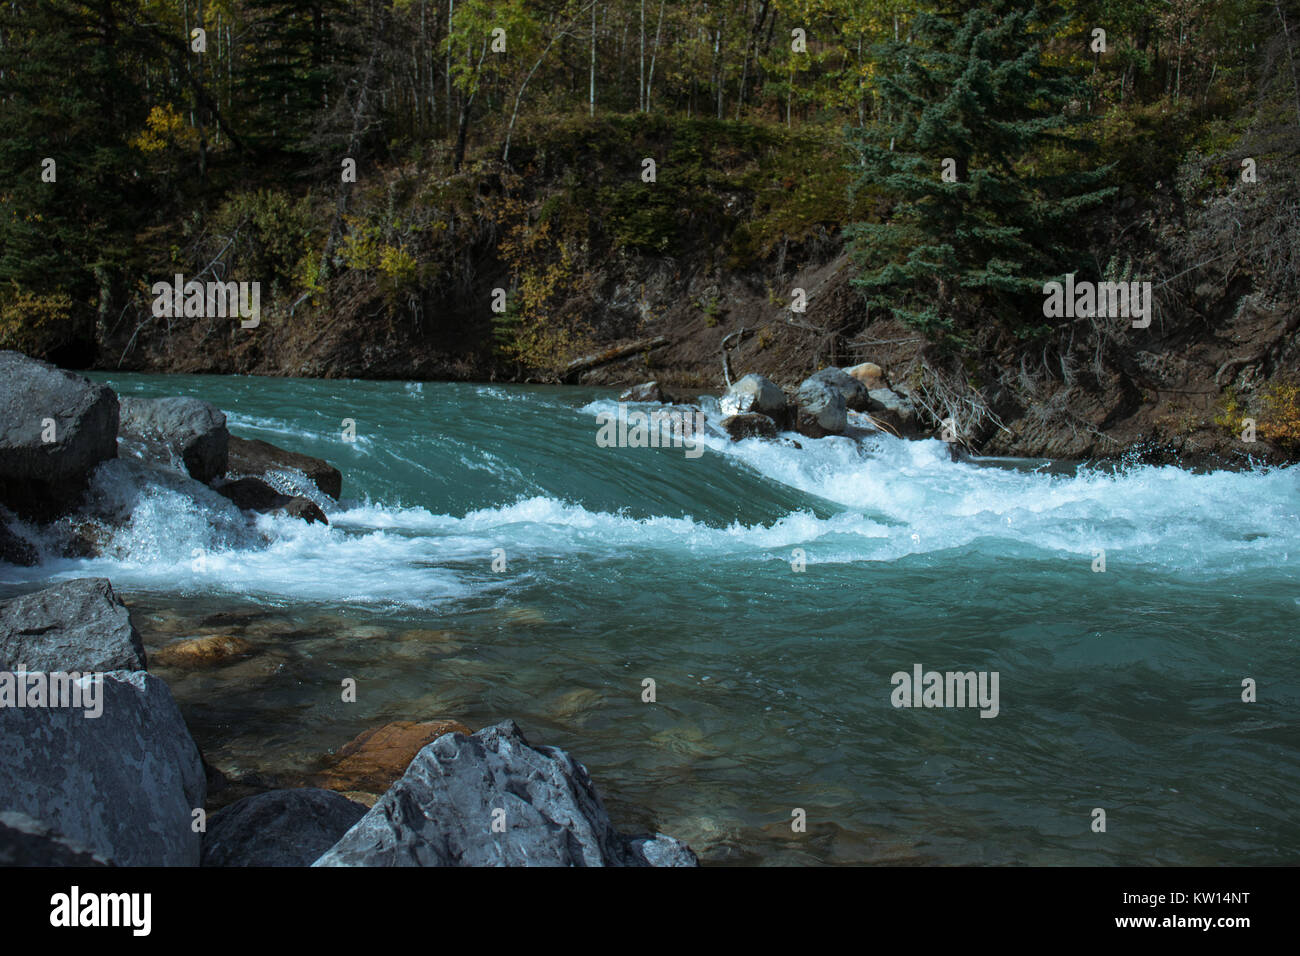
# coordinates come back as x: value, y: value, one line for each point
x: 68, y: 93
x: 972, y: 115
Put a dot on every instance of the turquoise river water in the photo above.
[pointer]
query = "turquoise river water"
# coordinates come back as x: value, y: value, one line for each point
x: 770, y: 593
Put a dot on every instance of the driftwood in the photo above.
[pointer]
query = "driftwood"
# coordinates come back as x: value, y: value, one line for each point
x: 588, y: 362
x: 726, y: 365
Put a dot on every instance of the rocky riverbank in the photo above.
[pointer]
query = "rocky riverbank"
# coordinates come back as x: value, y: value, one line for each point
x: 97, y: 765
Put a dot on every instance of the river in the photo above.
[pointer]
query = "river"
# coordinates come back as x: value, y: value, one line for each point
x: 489, y: 560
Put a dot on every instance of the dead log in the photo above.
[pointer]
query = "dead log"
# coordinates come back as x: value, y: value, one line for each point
x: 588, y: 362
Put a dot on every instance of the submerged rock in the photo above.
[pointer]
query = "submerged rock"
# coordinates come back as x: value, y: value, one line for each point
x: 254, y: 494
x: 55, y: 427
x: 79, y: 626
x: 278, y: 828
x: 377, y: 757
x: 212, y: 650
x: 748, y: 425
x: 647, y: 392
x: 123, y: 784
x: 255, y: 458
x: 185, y: 432
x: 821, y: 409
x: 491, y: 799
x: 754, y: 393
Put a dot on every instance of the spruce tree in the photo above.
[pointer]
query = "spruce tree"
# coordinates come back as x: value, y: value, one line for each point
x: 70, y: 94
x: 971, y: 115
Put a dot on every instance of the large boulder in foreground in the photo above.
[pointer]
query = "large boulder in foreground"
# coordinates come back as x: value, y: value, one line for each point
x: 124, y: 784
x: 754, y: 393
x: 40, y: 477
x: 441, y: 812
x: 279, y: 828
x: 77, y: 626
x: 185, y: 433
x: 854, y: 392
x: 821, y: 409
x: 259, y: 459
x: 28, y: 842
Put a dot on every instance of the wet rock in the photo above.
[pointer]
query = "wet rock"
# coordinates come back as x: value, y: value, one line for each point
x: 279, y: 828
x: 80, y: 536
x: 123, y: 784
x: 254, y: 494
x: 182, y: 432
x: 821, y: 409
x: 754, y: 393
x: 441, y: 812
x: 375, y: 758
x: 645, y: 392
x: 869, y: 374
x: 79, y: 626
x: 25, y: 841
x: 40, y: 478
x: 854, y: 392
x: 212, y: 650
x: 523, y: 617
x: 15, y: 549
x: 305, y: 509
x: 895, y: 412
x: 748, y: 425
x: 255, y: 458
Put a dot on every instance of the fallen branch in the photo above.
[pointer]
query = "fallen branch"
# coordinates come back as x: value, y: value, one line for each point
x: 588, y: 362
x: 726, y: 365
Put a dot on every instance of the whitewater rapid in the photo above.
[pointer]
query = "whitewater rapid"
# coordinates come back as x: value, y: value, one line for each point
x: 883, y: 500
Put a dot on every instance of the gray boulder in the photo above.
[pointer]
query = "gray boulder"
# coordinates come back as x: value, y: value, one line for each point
x: 37, y: 401
x: 182, y: 432
x: 894, y: 411
x: 279, y: 828
x: 821, y: 409
x: 79, y: 626
x: 754, y: 393
x: 748, y: 425
x: 259, y: 459
x: 854, y: 392
x: 124, y: 784
x: 492, y: 799
x: 28, y: 842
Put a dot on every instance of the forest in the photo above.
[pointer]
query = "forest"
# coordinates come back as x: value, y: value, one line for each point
x: 390, y: 164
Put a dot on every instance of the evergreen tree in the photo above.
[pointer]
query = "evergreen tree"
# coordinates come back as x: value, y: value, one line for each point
x: 299, y: 53
x: 972, y: 115
x: 68, y: 93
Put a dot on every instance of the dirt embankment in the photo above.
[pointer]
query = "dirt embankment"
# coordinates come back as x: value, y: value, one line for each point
x: 1157, y: 400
